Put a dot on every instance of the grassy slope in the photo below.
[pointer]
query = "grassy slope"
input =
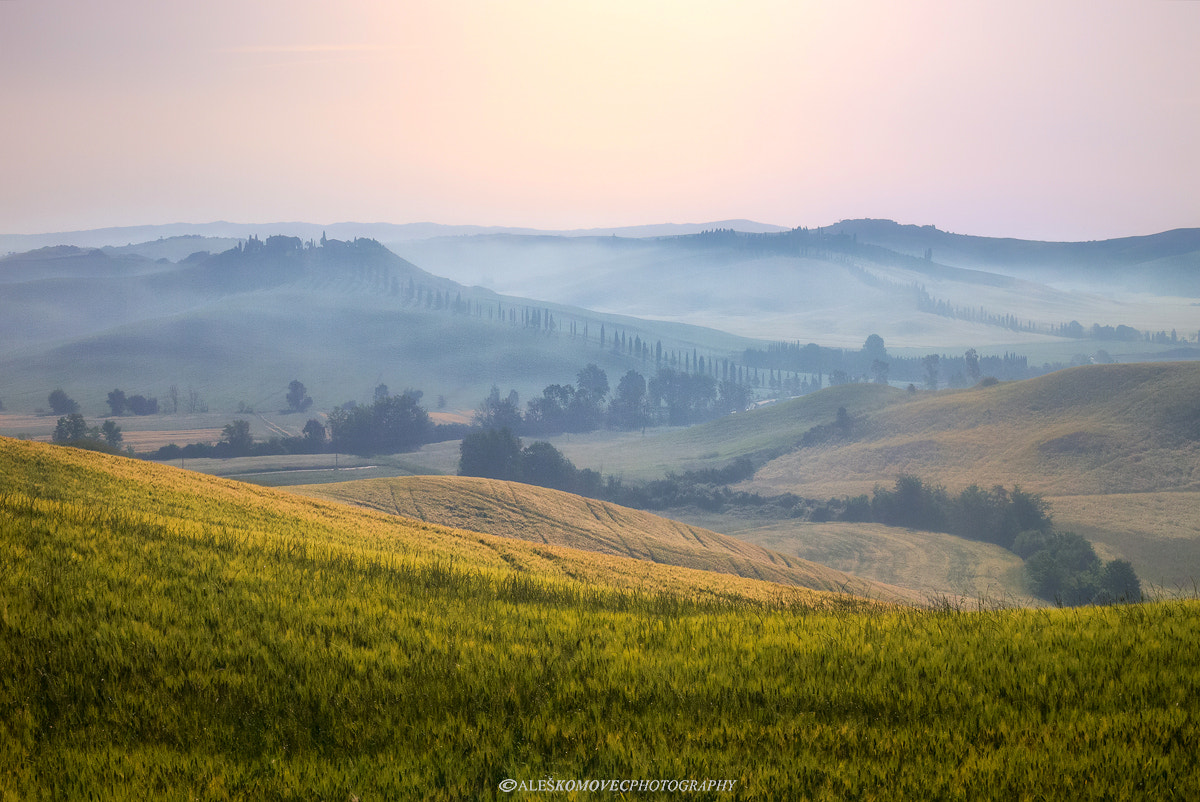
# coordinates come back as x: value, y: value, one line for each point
x: 1092, y: 430
x: 540, y: 515
x: 1087, y: 438
x: 199, y: 503
x: 176, y: 636
x: 1090, y: 439
x: 1088, y: 430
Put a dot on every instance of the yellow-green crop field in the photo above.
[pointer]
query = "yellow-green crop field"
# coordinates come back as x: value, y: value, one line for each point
x: 168, y: 635
x: 543, y: 515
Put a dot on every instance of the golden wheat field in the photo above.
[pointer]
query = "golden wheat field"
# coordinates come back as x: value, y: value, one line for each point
x: 170, y: 635
x: 541, y: 515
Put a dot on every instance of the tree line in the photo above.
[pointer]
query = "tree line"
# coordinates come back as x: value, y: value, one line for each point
x: 390, y: 424
x: 670, y: 397
x: 803, y: 368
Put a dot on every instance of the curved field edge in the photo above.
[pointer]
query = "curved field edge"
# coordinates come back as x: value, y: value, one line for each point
x: 542, y: 515
x: 148, y: 653
x: 199, y: 505
x: 934, y: 564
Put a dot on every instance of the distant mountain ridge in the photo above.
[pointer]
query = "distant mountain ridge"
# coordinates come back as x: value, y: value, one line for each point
x: 1173, y: 255
x: 384, y: 232
x: 343, y: 316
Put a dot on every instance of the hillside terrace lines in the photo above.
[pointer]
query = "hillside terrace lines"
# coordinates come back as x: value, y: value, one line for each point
x: 558, y: 518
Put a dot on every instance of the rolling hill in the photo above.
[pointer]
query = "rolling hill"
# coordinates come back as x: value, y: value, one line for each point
x: 173, y: 635
x: 1167, y: 263
x: 342, y: 316
x: 835, y: 287
x: 1099, y: 442
x: 172, y: 235
x: 198, y: 503
x: 541, y: 515
x: 239, y: 325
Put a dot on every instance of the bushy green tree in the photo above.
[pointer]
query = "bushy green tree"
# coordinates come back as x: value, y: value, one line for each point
x: 1066, y: 571
x: 492, y: 453
x: 971, y: 358
x: 70, y: 428
x: 62, y: 404
x: 550, y: 413
x: 314, y: 433
x: 1119, y: 583
x: 587, y: 406
x: 499, y: 413
x: 930, y: 363
x: 544, y: 465
x: 236, y: 436
x: 297, y: 397
x: 141, y: 405
x: 912, y: 503
x: 393, y: 423
x: 627, y: 410
x: 116, y: 402
x: 111, y: 433
x: 732, y: 397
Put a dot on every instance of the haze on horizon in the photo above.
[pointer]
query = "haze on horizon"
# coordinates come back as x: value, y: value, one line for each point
x: 1064, y: 121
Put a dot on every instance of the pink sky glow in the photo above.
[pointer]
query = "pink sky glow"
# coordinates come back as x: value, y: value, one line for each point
x: 1066, y: 120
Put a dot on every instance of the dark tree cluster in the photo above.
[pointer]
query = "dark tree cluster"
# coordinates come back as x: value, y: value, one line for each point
x: 393, y: 423
x: 995, y: 516
x: 390, y: 424
x: 121, y: 404
x: 672, y: 397
x: 62, y: 404
x: 236, y: 441
x: 73, y: 430
x: 298, y: 399
x: 1064, y: 568
x: 572, y: 408
x: 498, y: 454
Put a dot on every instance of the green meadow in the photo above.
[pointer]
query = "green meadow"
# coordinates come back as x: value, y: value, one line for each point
x: 172, y: 635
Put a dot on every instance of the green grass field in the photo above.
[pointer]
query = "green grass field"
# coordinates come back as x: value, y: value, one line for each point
x: 176, y: 636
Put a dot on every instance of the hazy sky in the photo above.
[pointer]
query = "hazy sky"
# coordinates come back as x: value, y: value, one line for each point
x: 1049, y: 120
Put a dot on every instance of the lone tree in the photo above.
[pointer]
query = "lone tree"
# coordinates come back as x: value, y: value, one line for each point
x: 971, y: 357
x: 61, y: 404
x: 314, y: 432
x: 116, y: 402
x: 70, y: 428
x: 1119, y: 583
x: 112, y: 433
x: 930, y: 363
x: 494, y: 453
x: 237, y: 436
x: 297, y: 397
